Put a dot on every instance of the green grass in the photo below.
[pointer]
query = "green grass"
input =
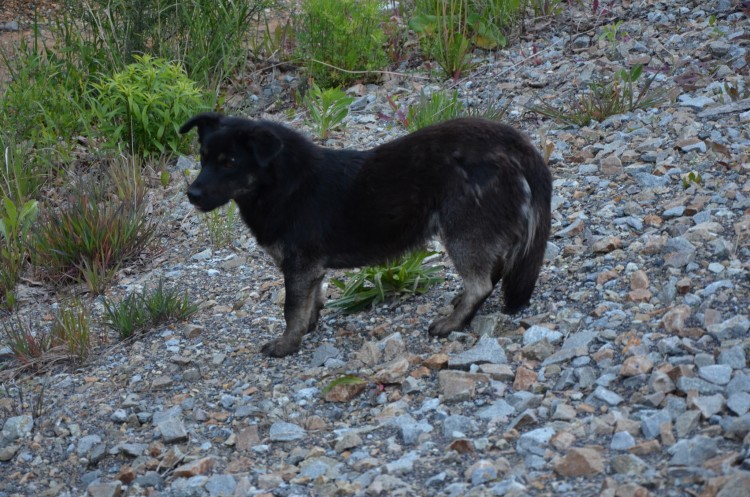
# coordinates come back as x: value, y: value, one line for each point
x: 16, y: 219
x: 88, y: 239
x: 372, y: 285
x: 340, y: 41
x: 438, y: 107
x: 138, y: 311
x: 605, y: 99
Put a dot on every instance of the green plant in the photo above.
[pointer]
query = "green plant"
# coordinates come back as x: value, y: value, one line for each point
x: 15, y: 224
x: 448, y: 29
x: 137, y: 311
x: 372, y: 285
x: 327, y: 109
x: 88, y: 239
x: 220, y: 224
x: 691, y: 178
x: 605, y: 99
x: 341, y: 40
x: 42, y: 102
x: 127, y: 317
x: 166, y: 305
x: 611, y: 32
x: 71, y: 330
x: 145, y: 105
x: 439, y: 106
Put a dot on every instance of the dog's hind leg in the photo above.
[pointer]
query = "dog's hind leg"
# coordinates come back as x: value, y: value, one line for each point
x: 302, y: 284
x: 478, y: 285
x: 318, y: 303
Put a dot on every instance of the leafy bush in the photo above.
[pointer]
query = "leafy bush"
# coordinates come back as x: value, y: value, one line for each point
x: 327, y: 109
x: 136, y: 312
x: 90, y: 238
x: 372, y: 285
x: 605, y: 99
x: 336, y: 36
x: 145, y: 105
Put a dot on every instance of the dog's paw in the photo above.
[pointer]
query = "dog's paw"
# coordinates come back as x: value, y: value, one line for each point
x: 280, y: 347
x: 442, y: 327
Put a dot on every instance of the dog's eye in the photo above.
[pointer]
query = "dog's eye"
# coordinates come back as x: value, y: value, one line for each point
x: 228, y: 162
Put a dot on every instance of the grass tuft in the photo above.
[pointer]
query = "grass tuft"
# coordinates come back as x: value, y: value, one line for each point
x: 372, y: 285
x: 605, y: 99
x: 138, y: 311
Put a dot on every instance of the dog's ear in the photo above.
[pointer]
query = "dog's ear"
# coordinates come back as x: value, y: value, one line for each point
x: 266, y: 145
x: 206, y: 122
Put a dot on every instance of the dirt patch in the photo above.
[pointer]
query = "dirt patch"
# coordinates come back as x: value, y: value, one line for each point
x: 16, y: 22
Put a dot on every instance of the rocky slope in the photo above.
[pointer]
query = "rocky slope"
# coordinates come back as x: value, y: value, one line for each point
x: 627, y: 376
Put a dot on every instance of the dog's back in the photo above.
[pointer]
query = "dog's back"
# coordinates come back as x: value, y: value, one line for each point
x: 480, y: 184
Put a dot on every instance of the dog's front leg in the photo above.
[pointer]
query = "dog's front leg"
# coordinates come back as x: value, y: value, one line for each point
x: 301, y: 282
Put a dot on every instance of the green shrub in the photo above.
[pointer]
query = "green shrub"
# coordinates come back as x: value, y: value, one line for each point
x: 336, y: 36
x: 137, y: 311
x: 372, y: 285
x: 145, y: 105
x: 327, y: 109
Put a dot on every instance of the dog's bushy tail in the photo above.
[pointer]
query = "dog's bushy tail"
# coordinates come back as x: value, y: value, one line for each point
x: 521, y: 272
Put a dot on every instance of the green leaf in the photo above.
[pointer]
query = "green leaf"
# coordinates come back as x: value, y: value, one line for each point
x: 343, y: 380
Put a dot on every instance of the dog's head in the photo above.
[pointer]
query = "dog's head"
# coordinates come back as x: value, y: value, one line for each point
x: 235, y: 153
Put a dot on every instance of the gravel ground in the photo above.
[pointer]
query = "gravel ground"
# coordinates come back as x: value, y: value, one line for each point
x: 627, y: 376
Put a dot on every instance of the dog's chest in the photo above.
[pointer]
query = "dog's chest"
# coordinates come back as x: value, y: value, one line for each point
x: 276, y: 252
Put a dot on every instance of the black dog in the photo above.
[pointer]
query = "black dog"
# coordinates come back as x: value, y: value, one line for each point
x: 479, y: 184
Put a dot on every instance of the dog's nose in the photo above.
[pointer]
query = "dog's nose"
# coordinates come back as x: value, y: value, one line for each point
x: 194, y: 195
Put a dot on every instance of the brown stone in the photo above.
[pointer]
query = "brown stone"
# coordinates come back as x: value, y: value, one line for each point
x: 462, y: 446
x: 645, y: 448
x: 105, y: 489
x: 674, y: 320
x: 459, y: 385
x: 636, y: 365
x: 194, y: 468
x: 640, y: 295
x: 126, y: 475
x: 606, y: 245
x: 344, y: 392
x: 247, y: 438
x: 606, y: 276
x: 437, y: 361
x: 639, y: 280
x: 525, y: 379
x: 392, y: 372
x: 579, y: 461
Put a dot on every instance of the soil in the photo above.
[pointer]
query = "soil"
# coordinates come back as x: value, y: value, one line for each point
x: 22, y: 12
